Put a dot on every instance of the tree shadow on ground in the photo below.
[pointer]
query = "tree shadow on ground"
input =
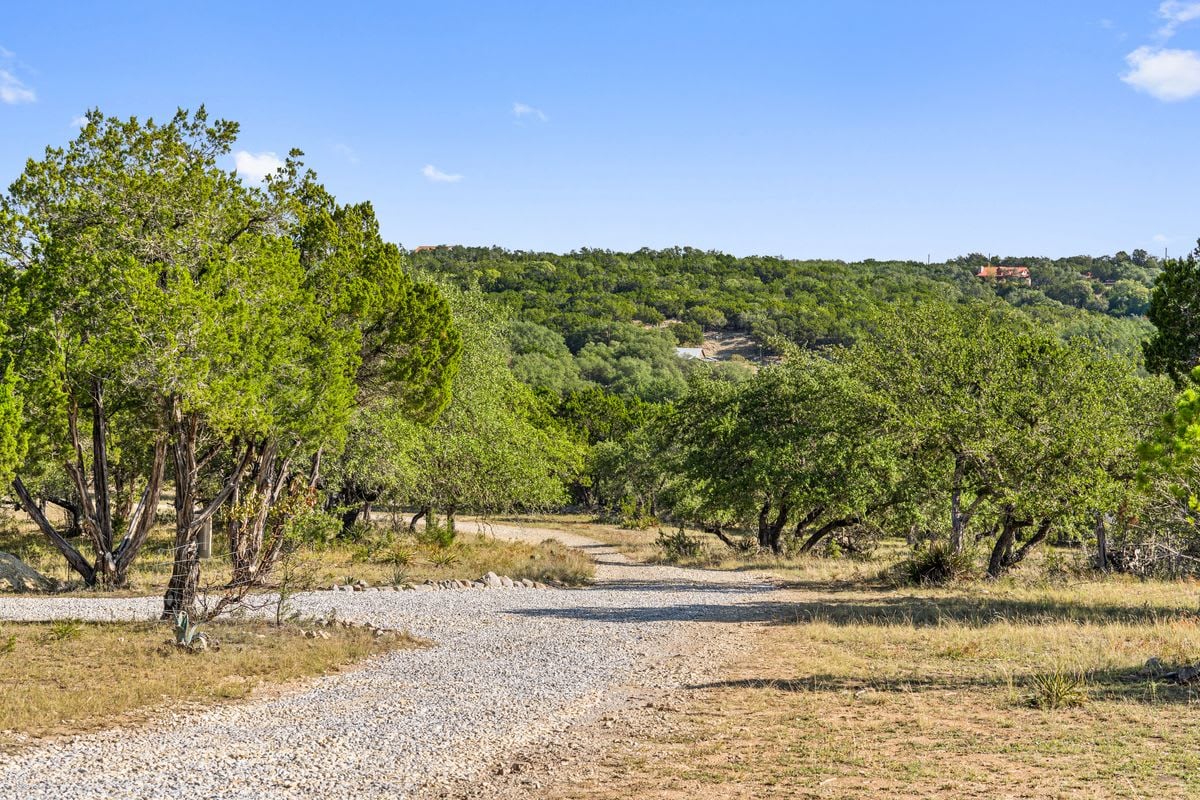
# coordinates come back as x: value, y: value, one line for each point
x: 1126, y: 685
x: 891, y: 611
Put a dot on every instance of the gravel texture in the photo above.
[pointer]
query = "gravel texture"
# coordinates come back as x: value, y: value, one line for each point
x: 510, y: 668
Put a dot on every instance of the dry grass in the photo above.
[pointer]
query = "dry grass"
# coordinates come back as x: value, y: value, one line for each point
x: 68, y: 677
x: 850, y: 689
x: 384, y: 556
x: 390, y: 558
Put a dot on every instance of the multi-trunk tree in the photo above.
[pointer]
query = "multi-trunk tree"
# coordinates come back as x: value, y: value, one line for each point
x: 170, y: 324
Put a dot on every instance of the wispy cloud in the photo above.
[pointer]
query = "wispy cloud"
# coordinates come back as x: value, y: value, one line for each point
x: 1175, y: 13
x: 347, y: 152
x: 521, y: 110
x: 1169, y: 75
x: 1161, y: 238
x: 78, y: 122
x: 13, y: 90
x: 256, y: 166
x: 437, y: 176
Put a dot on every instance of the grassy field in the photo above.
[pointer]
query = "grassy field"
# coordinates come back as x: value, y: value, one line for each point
x: 70, y: 677
x: 852, y: 686
x: 380, y: 555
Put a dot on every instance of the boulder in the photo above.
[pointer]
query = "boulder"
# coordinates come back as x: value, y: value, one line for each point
x: 492, y: 580
x: 506, y: 582
x: 20, y: 577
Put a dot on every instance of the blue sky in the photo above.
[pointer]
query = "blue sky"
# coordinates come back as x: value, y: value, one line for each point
x: 805, y: 129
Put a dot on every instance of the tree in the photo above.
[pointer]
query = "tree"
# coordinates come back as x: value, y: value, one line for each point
x: 170, y: 314
x: 114, y: 244
x: 496, y: 447
x: 1004, y: 428
x: 1174, y: 350
x: 796, y: 450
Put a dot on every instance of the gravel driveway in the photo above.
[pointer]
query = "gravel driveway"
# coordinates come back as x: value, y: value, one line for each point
x: 510, y: 668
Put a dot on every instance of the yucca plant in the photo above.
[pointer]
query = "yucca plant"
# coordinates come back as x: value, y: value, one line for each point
x: 1058, y: 689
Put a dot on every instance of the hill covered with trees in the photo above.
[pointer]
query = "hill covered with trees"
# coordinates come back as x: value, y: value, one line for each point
x: 597, y: 317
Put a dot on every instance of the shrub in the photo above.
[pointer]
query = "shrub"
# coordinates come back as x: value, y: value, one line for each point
x: 937, y: 565
x: 317, y: 529
x: 679, y: 545
x: 1058, y: 689
x: 687, y: 333
x: 436, y: 536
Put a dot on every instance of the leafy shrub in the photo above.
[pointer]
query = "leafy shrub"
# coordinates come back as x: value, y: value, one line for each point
x: 436, y: 536
x: 317, y: 529
x: 679, y: 545
x: 1058, y: 689
x: 632, y: 516
x: 65, y: 629
x: 938, y: 564
x: 687, y: 333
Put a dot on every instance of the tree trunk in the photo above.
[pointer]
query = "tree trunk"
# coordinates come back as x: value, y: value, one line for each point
x: 770, y: 533
x: 412, y: 523
x: 957, y: 523
x: 764, y: 527
x: 1002, y: 549
x: 74, y: 558
x: 141, y: 518
x: 1101, y: 544
x: 1033, y: 541
x: 1003, y: 557
x: 826, y: 529
x: 185, y: 570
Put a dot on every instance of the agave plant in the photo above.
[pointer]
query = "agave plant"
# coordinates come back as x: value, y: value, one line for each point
x: 189, y: 635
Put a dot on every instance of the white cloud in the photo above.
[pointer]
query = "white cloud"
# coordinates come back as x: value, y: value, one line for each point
x: 347, y: 152
x: 6, y: 53
x: 1169, y: 75
x: 78, y: 122
x: 1107, y: 24
x: 1176, y: 13
x: 12, y: 91
x: 437, y: 176
x: 1161, y: 238
x: 520, y: 110
x: 256, y: 166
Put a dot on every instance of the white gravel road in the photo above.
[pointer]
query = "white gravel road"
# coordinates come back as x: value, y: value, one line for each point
x: 510, y: 667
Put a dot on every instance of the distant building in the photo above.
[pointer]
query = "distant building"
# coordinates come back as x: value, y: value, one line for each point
x: 690, y: 352
x: 1005, y: 273
x: 425, y: 247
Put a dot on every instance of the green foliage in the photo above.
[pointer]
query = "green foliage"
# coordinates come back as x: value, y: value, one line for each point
x: 496, y: 446
x: 1057, y: 690
x: 65, y: 629
x: 679, y: 545
x: 938, y: 564
x: 1175, y: 348
x: 687, y: 333
x: 594, y: 297
x: 162, y: 301
x: 439, y: 536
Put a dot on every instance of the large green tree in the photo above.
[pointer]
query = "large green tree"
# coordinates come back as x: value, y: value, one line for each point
x: 166, y: 313
x: 1174, y: 350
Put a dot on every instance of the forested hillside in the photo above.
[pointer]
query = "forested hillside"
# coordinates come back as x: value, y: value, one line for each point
x: 612, y: 319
